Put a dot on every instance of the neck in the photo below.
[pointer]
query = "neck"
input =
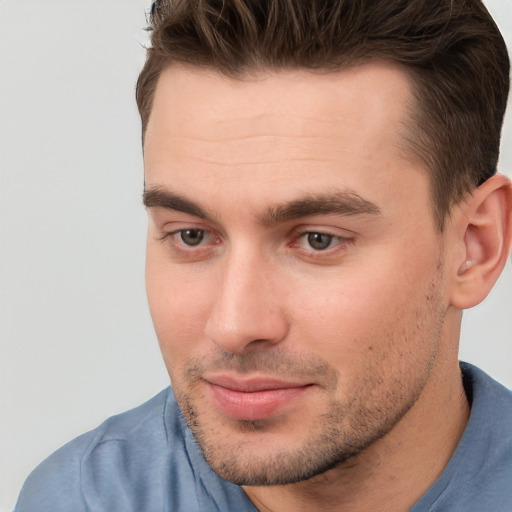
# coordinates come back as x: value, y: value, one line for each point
x: 394, y: 472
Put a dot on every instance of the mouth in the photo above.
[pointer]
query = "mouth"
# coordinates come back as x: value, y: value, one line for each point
x: 253, y: 398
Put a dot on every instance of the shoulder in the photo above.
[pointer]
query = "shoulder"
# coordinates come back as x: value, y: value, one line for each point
x: 491, y: 402
x: 119, y: 450
x: 486, y: 446
x: 479, y: 473
x: 487, y: 441
x: 143, y: 460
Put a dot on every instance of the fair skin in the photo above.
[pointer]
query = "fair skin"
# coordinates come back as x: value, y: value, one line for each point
x: 306, y: 305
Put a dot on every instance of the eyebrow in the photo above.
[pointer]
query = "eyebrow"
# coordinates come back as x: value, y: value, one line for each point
x: 346, y: 203
x: 157, y: 197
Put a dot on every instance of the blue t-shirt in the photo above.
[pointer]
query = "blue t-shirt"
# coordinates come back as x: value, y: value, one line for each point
x: 146, y: 460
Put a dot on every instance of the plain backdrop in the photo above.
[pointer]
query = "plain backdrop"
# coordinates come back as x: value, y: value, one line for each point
x: 77, y: 342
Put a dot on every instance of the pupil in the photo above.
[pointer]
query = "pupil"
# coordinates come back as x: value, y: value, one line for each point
x: 319, y: 241
x: 192, y: 236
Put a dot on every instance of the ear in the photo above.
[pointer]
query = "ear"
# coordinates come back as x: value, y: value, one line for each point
x: 484, y: 230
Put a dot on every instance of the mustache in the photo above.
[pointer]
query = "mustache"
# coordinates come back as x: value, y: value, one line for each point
x: 276, y: 362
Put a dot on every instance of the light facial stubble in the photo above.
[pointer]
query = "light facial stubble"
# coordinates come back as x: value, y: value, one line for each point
x: 379, y: 400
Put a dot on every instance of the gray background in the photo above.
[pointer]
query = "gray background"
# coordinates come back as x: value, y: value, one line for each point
x: 77, y: 343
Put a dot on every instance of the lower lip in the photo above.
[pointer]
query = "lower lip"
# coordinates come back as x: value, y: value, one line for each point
x: 256, y: 405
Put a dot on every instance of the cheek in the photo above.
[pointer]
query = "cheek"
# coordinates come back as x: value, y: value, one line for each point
x: 179, y: 305
x: 341, y: 321
x: 367, y: 313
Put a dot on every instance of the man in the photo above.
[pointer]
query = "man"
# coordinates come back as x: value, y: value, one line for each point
x: 323, y: 203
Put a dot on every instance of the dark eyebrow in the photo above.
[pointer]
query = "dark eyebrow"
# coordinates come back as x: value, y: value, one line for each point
x: 157, y: 197
x: 338, y: 203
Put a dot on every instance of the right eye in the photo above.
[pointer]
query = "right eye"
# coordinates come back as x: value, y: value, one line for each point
x: 320, y: 241
x: 191, y: 237
x: 191, y: 242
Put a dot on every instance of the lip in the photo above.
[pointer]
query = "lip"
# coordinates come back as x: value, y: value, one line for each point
x: 253, y: 398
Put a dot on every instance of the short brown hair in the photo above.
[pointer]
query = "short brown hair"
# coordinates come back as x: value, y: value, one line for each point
x: 451, y: 49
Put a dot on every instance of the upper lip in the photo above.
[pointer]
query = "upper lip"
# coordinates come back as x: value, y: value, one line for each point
x: 251, y: 384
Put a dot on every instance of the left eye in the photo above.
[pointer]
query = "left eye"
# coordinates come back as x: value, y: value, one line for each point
x: 192, y: 237
x: 320, y: 241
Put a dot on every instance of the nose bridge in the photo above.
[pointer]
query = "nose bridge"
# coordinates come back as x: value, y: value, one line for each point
x: 247, y: 306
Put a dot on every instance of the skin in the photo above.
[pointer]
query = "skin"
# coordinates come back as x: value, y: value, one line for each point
x: 369, y: 325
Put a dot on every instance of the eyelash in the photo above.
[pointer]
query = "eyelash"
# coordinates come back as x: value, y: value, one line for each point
x: 183, y: 249
x: 319, y: 253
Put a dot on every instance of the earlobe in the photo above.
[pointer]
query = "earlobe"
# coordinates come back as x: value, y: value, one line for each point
x: 486, y: 237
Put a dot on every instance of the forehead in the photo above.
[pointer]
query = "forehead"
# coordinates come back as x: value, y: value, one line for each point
x: 284, y: 133
x: 198, y: 97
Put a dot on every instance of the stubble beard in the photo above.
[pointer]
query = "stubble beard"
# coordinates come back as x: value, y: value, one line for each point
x: 346, y: 428
x: 331, y: 444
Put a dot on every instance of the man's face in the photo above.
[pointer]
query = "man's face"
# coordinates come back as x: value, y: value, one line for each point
x: 294, y: 272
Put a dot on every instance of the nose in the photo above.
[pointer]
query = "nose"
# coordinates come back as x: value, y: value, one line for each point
x: 246, y: 311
